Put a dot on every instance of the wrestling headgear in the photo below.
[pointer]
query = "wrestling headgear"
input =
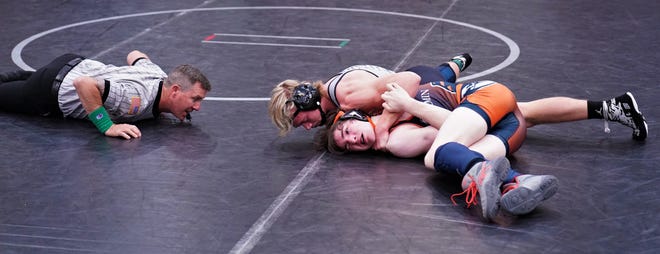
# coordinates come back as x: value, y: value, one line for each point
x: 306, y: 98
x: 352, y: 114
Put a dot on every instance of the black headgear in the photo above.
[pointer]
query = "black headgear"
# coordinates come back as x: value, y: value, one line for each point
x: 306, y: 98
x: 352, y: 114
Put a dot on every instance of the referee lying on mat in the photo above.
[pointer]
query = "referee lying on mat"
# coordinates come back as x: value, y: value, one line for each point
x: 75, y: 87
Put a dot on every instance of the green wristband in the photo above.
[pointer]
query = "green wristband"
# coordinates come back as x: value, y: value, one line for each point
x: 101, y: 119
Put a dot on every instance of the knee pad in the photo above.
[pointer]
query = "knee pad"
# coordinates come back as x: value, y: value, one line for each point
x: 447, y: 73
x: 455, y: 158
x: 510, y: 176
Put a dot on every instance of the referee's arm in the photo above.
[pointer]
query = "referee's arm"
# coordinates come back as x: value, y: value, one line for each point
x: 134, y: 56
x: 89, y: 93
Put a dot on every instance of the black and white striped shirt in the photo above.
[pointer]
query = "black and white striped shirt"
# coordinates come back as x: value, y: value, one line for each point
x: 132, y: 89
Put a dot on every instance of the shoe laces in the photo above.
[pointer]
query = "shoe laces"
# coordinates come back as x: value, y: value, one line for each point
x: 606, y: 115
x: 510, y: 186
x: 470, y: 194
x: 614, y: 111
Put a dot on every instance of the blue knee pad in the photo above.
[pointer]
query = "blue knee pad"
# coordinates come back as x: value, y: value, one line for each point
x: 442, y: 72
x: 511, y: 176
x: 455, y: 158
x: 447, y: 73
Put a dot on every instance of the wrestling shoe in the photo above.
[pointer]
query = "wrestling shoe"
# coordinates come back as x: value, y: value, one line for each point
x: 526, y: 192
x: 484, y: 178
x: 463, y: 61
x: 623, y: 109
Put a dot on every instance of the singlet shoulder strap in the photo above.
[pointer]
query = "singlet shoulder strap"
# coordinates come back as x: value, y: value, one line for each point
x: 332, y: 88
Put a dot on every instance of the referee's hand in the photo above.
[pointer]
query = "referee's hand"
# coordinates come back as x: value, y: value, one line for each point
x: 123, y: 130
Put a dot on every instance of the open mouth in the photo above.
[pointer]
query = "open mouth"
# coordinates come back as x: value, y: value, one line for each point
x: 362, y: 140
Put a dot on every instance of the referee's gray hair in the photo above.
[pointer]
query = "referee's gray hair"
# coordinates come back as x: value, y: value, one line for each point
x: 186, y: 75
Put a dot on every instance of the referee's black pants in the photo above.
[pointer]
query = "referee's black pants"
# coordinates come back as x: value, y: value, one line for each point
x: 32, y: 93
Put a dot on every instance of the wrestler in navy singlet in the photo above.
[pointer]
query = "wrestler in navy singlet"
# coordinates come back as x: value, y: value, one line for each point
x: 504, y: 121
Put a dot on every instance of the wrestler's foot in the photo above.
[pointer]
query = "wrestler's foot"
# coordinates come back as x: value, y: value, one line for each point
x: 463, y: 61
x: 526, y: 192
x: 485, y: 179
x: 623, y: 109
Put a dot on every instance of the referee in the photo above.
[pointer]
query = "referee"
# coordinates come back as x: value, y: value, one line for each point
x: 109, y: 96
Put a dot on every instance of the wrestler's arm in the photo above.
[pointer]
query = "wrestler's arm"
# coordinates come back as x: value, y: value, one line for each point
x: 410, y: 140
x: 397, y: 100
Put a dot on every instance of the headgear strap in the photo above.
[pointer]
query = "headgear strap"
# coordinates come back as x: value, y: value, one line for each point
x: 354, y: 114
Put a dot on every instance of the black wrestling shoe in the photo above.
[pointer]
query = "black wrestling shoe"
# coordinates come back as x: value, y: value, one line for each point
x: 463, y: 61
x: 623, y: 109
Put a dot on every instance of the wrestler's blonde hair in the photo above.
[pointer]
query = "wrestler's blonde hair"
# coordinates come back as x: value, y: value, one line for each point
x: 280, y: 108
